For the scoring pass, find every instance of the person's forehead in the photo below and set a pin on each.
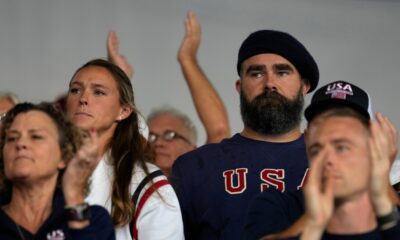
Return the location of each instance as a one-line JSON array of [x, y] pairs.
[[164, 122], [94, 75], [336, 127], [34, 120], [267, 59]]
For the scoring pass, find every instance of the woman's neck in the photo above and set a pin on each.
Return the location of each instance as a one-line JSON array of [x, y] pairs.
[[105, 138], [30, 206]]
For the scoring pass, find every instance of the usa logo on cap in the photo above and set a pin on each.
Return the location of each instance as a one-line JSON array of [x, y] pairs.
[[338, 90]]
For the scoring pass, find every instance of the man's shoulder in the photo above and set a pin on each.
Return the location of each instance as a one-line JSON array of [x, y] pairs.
[[208, 148]]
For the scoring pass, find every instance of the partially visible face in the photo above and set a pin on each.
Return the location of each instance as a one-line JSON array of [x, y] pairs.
[[5, 105], [31, 151], [344, 140], [271, 94], [168, 151], [93, 100]]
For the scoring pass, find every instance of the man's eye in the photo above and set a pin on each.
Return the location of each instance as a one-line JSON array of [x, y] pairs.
[[314, 152], [283, 73], [256, 74], [342, 148]]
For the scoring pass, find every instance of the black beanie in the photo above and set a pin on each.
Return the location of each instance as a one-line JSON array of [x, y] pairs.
[[285, 45]]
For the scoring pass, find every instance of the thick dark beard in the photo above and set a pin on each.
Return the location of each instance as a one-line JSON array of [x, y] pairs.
[[270, 113]]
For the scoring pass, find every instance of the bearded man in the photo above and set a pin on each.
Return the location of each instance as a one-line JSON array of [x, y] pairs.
[[215, 183]]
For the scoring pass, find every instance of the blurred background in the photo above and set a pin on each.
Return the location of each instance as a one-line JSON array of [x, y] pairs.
[[43, 42]]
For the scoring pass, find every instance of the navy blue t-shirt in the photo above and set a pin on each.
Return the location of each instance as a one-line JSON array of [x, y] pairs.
[[56, 225], [392, 233], [273, 211], [216, 183]]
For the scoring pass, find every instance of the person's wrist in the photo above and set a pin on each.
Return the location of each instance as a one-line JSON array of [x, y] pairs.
[[388, 220], [311, 231], [75, 198], [382, 205], [78, 212]]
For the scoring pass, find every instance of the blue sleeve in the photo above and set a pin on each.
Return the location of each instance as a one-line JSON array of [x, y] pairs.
[[391, 233], [179, 184], [273, 211], [100, 228]]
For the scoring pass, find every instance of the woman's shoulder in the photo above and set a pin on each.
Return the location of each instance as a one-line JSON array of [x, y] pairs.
[[139, 173], [153, 180], [157, 205]]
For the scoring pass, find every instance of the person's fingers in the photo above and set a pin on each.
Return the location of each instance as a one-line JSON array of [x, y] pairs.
[[372, 145], [190, 17], [379, 133], [382, 138], [112, 43], [384, 124], [195, 23], [316, 172], [187, 26], [95, 145], [390, 134], [329, 186], [388, 127]]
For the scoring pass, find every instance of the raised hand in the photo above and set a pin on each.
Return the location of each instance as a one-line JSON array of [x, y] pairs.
[[209, 105], [79, 169], [115, 57], [191, 41]]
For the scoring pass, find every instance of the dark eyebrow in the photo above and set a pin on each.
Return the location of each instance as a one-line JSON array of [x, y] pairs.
[[283, 66], [255, 67]]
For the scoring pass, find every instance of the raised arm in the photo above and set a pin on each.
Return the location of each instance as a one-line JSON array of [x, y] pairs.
[[115, 57], [209, 105]]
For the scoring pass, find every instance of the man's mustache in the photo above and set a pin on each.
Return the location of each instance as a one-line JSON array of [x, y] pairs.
[[268, 94]]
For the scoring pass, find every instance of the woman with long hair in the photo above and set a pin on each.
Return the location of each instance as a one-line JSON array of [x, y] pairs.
[[141, 202]]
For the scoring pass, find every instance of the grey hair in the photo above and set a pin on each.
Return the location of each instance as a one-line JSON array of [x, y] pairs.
[[173, 112], [11, 96]]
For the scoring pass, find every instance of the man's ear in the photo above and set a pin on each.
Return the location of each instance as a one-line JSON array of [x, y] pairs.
[[306, 86], [125, 112], [238, 85]]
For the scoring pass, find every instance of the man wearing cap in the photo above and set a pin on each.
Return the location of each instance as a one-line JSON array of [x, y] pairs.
[[348, 193], [215, 183]]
